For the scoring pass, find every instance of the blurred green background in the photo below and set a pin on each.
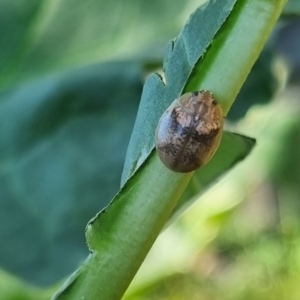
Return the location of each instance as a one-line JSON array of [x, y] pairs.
[[71, 76]]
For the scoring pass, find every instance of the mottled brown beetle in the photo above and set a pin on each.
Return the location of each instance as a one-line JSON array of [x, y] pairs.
[[190, 131]]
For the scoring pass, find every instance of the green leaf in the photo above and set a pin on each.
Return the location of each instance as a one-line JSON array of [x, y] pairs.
[[63, 146], [120, 236], [181, 57]]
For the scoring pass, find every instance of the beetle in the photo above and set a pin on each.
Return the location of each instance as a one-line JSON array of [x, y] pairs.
[[189, 132]]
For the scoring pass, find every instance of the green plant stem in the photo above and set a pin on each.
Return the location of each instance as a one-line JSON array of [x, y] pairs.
[[121, 238], [235, 49]]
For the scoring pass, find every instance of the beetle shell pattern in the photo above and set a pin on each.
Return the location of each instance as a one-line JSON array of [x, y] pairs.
[[190, 131]]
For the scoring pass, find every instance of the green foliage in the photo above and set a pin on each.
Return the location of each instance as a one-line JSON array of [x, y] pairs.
[[181, 58], [65, 127], [114, 232]]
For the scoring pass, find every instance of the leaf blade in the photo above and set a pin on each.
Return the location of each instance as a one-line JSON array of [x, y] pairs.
[[180, 59]]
